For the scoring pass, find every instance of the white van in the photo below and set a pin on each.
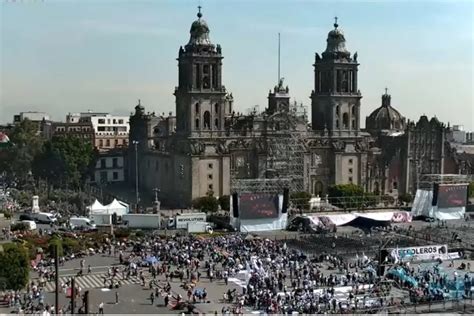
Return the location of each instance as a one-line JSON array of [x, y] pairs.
[[31, 224], [44, 218], [82, 223]]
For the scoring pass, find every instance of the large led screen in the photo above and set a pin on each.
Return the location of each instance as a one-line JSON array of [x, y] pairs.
[[258, 206]]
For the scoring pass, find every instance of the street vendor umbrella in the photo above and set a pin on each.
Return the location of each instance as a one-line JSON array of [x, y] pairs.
[[151, 260], [249, 237]]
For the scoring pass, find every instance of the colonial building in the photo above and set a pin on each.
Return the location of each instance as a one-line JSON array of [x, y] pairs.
[[209, 147], [110, 131]]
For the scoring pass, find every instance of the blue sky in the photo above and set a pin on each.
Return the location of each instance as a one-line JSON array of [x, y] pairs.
[[67, 56]]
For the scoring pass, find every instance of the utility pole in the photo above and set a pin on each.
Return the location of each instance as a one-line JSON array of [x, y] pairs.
[[73, 294], [56, 279], [279, 58], [135, 143]]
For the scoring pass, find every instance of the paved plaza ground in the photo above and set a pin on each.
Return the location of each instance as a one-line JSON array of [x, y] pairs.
[[135, 298]]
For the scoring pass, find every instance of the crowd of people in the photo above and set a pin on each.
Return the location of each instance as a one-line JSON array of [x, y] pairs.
[[259, 274]]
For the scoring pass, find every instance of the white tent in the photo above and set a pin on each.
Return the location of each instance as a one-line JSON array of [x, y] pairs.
[[116, 207], [95, 206]]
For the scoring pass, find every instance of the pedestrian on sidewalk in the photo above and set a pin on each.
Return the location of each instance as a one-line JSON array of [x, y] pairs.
[[152, 297], [116, 297], [101, 308]]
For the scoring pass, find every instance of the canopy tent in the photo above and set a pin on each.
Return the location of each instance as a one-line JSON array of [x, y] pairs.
[[117, 207], [95, 206]]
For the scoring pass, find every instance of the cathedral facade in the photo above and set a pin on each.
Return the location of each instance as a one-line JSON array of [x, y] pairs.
[[208, 147]]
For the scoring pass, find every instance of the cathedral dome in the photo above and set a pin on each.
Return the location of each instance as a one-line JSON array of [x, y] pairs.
[[385, 117], [336, 44], [199, 32]]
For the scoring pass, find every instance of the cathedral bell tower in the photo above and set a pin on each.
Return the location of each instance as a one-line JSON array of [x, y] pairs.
[[336, 98], [201, 100]]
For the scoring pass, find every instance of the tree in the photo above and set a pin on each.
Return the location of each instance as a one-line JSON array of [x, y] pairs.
[[300, 200], [350, 196], [405, 198], [14, 267], [52, 244], [206, 204], [65, 159], [471, 189], [15, 161], [224, 202]]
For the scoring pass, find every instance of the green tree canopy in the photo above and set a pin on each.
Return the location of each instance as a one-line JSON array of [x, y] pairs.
[[16, 160], [206, 204], [350, 196], [14, 267], [224, 202], [300, 200], [65, 159], [471, 189]]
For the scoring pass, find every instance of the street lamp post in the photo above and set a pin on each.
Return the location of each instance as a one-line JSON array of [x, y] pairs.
[[135, 143]]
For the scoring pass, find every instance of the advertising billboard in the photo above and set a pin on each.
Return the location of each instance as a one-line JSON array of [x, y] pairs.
[[452, 195], [257, 206], [420, 253]]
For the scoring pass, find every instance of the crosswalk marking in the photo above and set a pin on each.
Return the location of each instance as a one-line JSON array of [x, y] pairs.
[[90, 281]]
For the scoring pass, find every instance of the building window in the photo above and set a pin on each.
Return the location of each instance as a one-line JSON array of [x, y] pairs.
[[216, 108], [116, 142], [337, 123], [350, 179], [115, 162], [345, 120], [210, 187], [350, 170], [337, 110], [209, 166], [216, 123], [395, 185], [197, 123], [103, 176], [120, 121], [108, 121], [196, 107], [115, 175], [103, 163], [209, 176], [101, 121], [107, 143], [207, 120], [350, 161], [354, 124], [114, 121], [101, 143], [353, 110]]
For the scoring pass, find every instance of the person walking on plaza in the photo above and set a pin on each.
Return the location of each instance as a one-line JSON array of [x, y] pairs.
[[116, 297], [101, 308], [152, 297]]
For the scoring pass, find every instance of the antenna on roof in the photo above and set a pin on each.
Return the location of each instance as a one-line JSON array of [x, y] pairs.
[[278, 58]]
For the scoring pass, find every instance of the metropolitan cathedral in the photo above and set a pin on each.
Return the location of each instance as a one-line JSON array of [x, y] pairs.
[[209, 147]]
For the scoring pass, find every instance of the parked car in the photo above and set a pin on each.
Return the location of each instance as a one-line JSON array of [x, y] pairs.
[[26, 217], [44, 218]]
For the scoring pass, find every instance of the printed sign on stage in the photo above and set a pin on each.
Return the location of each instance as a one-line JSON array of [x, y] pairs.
[[422, 253], [258, 206]]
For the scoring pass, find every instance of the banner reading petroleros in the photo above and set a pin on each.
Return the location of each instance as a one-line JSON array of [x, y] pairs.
[[422, 253]]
